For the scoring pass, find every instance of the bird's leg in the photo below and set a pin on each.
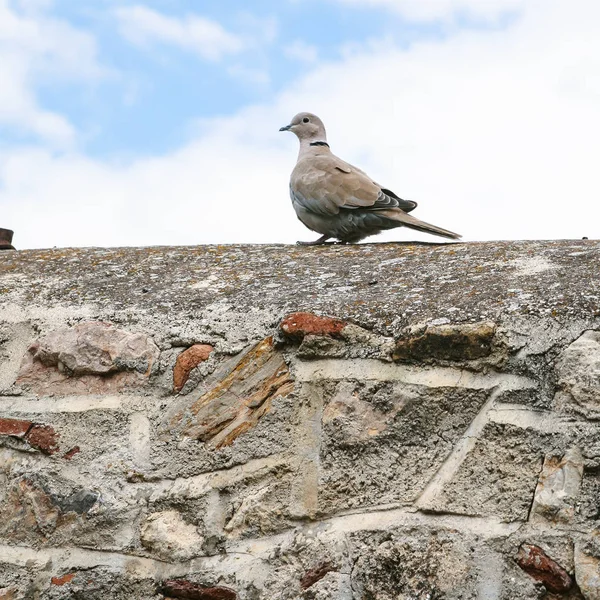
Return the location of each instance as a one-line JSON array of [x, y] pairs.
[[318, 242]]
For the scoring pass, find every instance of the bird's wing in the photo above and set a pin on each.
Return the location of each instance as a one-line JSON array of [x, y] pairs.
[[324, 184]]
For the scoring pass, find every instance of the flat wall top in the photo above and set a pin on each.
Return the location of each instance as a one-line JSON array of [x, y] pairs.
[[380, 285]]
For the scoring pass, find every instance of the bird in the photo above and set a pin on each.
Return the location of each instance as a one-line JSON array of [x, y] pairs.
[[338, 200]]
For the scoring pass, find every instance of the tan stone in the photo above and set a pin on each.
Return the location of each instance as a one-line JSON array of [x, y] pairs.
[[90, 358], [96, 348], [45, 381], [578, 371], [558, 488], [358, 419], [170, 537], [587, 572]]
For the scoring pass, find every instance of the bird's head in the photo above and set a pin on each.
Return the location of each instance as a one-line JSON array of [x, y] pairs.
[[307, 126]]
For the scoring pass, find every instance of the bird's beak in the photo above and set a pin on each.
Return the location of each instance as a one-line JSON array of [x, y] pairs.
[[286, 128]]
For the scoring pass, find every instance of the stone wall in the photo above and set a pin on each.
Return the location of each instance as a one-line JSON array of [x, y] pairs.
[[365, 422]]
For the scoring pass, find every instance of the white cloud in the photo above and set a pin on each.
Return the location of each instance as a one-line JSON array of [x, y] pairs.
[[443, 9], [204, 37], [301, 51], [33, 49], [495, 134]]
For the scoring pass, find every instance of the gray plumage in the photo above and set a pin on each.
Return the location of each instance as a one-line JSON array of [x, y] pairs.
[[339, 200]]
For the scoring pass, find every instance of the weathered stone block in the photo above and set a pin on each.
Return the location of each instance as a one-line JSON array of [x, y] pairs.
[[102, 358], [498, 476], [557, 491], [32, 514], [86, 500], [455, 342], [587, 566], [382, 443], [415, 564], [578, 370], [259, 506], [168, 535], [237, 400], [50, 513], [96, 348]]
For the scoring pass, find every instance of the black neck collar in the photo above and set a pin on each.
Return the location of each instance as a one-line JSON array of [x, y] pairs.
[[319, 144]]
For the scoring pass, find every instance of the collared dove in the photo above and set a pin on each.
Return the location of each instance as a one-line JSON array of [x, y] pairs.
[[338, 200]]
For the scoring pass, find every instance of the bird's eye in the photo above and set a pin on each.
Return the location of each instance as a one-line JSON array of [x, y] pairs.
[[305, 120]]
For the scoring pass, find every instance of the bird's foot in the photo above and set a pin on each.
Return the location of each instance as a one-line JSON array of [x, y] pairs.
[[318, 242]]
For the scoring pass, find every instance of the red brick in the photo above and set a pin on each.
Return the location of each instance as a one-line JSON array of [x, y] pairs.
[[62, 580], [180, 588], [535, 562], [189, 359], [71, 453], [44, 438], [299, 324], [14, 427], [315, 574]]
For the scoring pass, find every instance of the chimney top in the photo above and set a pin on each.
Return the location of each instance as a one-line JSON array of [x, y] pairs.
[[6, 236]]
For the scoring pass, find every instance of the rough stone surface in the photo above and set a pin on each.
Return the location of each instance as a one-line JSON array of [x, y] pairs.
[[230, 422], [587, 566], [558, 489], [418, 564], [170, 537], [450, 342], [240, 398], [95, 348], [101, 356], [407, 431], [579, 376], [498, 476]]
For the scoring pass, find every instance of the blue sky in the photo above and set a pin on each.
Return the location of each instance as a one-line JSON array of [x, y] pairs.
[[115, 114], [157, 92], [152, 93]]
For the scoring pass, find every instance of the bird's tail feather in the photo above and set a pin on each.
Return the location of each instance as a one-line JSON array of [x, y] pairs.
[[413, 223]]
